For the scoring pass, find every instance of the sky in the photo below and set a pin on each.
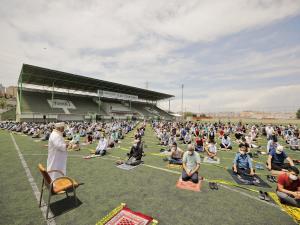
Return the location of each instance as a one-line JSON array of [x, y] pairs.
[[231, 55]]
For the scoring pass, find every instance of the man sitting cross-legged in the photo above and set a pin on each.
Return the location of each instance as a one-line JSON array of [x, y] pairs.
[[211, 150], [175, 155], [276, 159], [226, 143], [136, 153], [191, 165], [102, 146], [288, 187], [242, 162]]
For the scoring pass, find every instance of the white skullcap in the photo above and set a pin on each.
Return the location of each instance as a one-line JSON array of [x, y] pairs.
[[61, 124]]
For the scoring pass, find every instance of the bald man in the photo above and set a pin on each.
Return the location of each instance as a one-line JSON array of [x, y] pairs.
[[190, 164]]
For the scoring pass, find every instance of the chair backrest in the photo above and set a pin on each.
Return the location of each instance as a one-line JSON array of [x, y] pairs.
[[45, 175]]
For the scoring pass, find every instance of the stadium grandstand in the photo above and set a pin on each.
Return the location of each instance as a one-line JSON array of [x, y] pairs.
[[45, 94]]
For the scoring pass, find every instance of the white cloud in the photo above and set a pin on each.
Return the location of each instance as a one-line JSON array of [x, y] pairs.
[[133, 42]]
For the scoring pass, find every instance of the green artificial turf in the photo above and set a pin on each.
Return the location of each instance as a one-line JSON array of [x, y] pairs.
[[149, 190]]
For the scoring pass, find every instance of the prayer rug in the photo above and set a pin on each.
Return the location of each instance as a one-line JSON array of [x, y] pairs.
[[294, 212], [173, 166], [188, 185], [209, 160], [248, 180], [84, 144], [91, 156], [122, 215], [126, 167]]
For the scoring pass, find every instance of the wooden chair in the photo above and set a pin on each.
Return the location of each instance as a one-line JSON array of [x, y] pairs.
[[61, 185]]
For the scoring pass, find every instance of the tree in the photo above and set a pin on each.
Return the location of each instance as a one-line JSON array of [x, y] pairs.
[[3, 103], [298, 114]]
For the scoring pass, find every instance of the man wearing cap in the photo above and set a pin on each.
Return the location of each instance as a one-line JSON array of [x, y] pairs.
[[102, 146], [288, 187], [57, 152], [276, 159], [190, 164]]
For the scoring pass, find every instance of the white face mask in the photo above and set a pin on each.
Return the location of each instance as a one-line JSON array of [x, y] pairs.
[[278, 152], [293, 177], [242, 152]]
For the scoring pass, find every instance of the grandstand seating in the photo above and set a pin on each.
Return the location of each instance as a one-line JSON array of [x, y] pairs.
[[36, 102], [149, 110]]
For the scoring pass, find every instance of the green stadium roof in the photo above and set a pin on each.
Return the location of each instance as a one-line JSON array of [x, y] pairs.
[[46, 77]]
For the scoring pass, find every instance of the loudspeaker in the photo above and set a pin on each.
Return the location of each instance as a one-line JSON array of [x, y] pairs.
[[98, 117], [44, 117]]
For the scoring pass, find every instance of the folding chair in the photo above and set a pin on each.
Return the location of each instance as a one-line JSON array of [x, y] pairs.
[[58, 186]]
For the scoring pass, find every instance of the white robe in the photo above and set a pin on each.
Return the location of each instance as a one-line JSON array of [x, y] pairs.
[[57, 154]]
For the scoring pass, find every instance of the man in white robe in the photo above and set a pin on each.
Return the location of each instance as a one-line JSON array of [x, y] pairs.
[[57, 152]]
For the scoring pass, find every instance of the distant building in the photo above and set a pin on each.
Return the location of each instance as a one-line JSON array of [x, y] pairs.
[[11, 91], [253, 115], [2, 90]]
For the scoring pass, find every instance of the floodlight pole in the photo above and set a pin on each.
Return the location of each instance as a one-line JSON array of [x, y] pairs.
[[52, 98], [182, 101], [99, 102], [21, 90]]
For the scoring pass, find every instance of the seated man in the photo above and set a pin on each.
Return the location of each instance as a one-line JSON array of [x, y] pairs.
[[226, 143], [46, 135], [74, 143], [36, 133], [89, 139], [176, 154], [187, 138], [211, 149], [238, 135], [272, 143], [114, 136], [242, 162], [182, 134], [164, 139], [136, 153], [120, 134], [276, 159], [288, 187], [191, 165], [295, 143], [102, 146], [199, 144]]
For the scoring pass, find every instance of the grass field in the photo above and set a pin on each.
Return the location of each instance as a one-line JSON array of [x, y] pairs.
[[149, 188]]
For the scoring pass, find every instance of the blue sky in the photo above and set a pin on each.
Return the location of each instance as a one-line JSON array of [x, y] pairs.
[[230, 55]]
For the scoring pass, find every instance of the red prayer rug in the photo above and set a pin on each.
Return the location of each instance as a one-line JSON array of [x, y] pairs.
[[188, 185], [125, 216]]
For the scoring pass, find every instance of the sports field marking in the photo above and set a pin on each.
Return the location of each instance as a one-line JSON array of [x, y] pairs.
[[226, 187], [177, 172], [33, 184]]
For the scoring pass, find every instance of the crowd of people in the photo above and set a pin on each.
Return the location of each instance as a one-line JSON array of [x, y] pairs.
[[106, 133], [200, 139]]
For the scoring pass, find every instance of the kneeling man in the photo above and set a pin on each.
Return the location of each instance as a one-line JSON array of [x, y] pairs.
[[191, 165]]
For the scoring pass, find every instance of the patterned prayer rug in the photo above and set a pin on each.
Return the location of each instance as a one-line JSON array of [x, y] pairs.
[[125, 216]]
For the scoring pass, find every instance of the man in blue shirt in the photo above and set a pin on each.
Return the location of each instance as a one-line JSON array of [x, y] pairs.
[[276, 159], [242, 162]]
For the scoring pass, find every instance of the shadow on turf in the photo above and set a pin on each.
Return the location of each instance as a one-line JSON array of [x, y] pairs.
[[64, 205]]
